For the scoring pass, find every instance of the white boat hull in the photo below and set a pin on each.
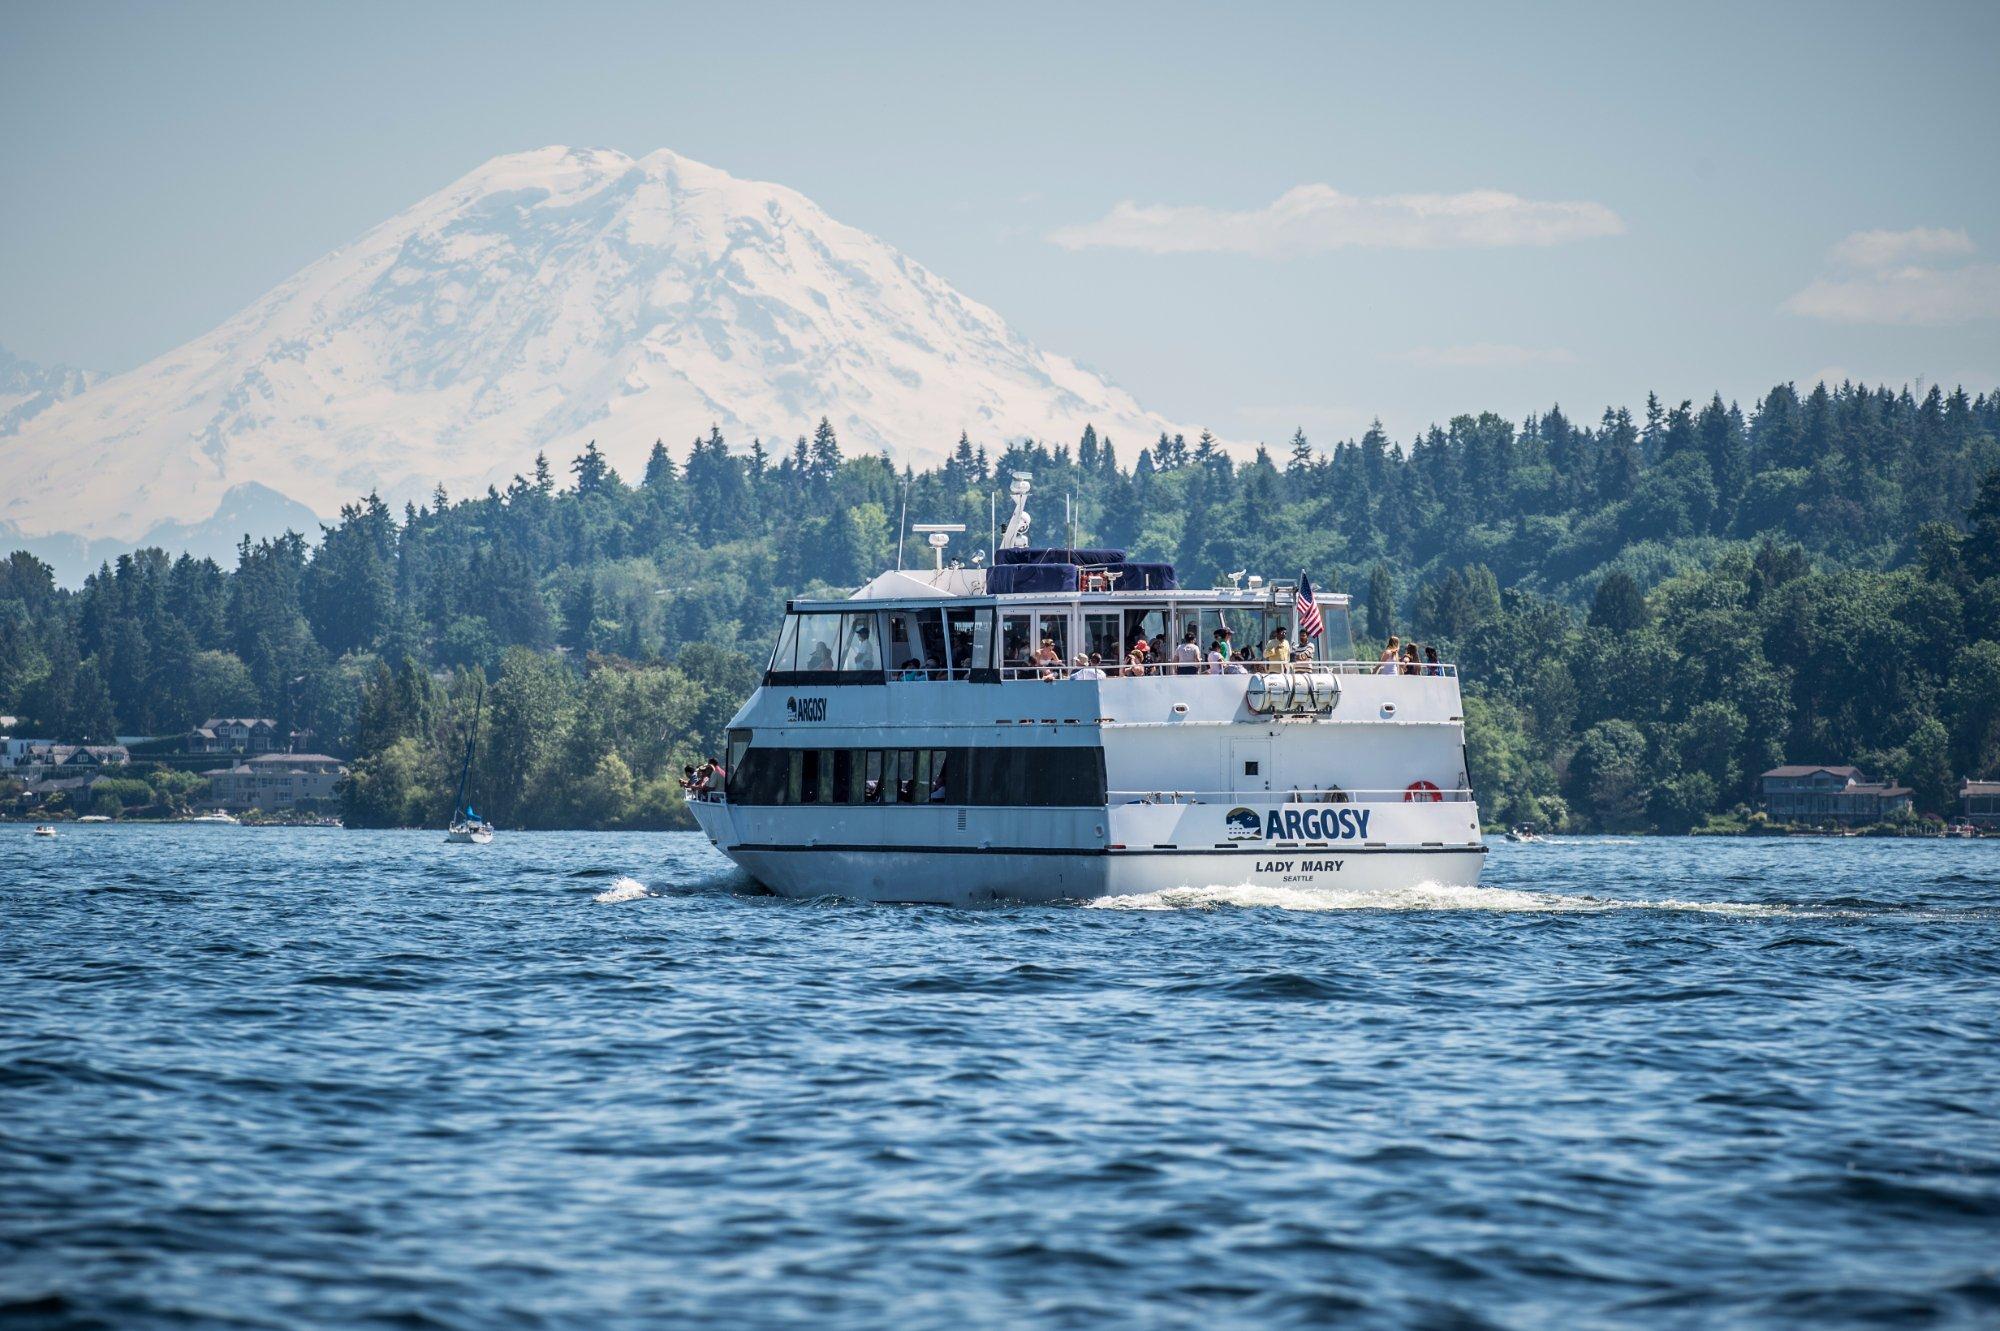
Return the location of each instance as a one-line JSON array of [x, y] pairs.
[[463, 837], [950, 879], [776, 847]]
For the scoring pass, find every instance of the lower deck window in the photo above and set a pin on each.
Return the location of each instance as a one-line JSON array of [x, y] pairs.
[[1017, 776]]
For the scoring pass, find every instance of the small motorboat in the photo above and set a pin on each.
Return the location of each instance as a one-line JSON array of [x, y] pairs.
[[1523, 834], [43, 829], [95, 818], [218, 816]]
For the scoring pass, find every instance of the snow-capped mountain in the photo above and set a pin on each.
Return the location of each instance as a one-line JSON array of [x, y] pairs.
[[544, 300], [27, 389]]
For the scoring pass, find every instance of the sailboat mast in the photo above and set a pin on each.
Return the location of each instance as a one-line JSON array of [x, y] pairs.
[[465, 772]]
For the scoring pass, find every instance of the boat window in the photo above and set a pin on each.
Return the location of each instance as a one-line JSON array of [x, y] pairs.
[[819, 643], [916, 644], [827, 647], [787, 650], [739, 740], [1013, 776], [1338, 644], [1015, 644], [860, 644], [971, 638], [1103, 633], [1052, 626]]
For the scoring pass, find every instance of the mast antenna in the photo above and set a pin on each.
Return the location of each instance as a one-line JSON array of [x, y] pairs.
[[1016, 536]]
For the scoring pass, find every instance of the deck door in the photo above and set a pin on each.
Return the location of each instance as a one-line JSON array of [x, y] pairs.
[[1250, 765]]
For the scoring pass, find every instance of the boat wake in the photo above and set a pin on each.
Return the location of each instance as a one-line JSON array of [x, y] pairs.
[[1420, 897], [622, 889]]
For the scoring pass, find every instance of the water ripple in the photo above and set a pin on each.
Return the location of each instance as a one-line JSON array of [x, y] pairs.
[[324, 1079]]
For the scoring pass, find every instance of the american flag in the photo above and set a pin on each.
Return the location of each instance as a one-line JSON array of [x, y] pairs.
[[1310, 623]]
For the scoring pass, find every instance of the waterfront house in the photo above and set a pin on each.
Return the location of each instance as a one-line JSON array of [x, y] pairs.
[[31, 758], [235, 734], [1811, 793], [1979, 802], [274, 781]]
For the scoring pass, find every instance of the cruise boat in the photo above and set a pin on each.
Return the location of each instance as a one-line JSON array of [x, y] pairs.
[[931, 738]]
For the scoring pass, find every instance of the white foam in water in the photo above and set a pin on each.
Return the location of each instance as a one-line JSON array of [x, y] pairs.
[[623, 889], [1423, 896]]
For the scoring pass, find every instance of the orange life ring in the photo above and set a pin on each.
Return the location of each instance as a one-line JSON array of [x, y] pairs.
[[1421, 792]]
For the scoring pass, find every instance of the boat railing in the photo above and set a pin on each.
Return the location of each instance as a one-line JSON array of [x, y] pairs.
[[1117, 670], [1418, 792]]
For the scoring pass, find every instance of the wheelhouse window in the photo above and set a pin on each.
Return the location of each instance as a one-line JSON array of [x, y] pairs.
[[828, 647]]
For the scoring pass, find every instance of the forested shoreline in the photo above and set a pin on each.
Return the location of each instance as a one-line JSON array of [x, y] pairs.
[[1649, 610]]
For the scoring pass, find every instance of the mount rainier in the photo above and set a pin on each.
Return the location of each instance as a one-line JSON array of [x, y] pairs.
[[546, 299]]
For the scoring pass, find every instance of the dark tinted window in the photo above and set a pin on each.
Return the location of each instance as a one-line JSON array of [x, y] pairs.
[[1019, 777]]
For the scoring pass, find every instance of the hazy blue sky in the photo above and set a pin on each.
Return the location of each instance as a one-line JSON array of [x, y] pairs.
[[1687, 182]]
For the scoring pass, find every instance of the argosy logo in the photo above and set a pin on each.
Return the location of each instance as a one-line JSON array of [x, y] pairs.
[[1299, 822], [805, 709]]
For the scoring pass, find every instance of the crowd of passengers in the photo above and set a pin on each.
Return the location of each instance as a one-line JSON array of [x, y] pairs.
[[1149, 656]]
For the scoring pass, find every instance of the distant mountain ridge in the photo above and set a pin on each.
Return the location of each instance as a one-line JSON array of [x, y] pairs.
[[543, 300]]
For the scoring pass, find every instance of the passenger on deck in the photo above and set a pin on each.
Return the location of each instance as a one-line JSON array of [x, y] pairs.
[[1049, 659], [913, 671], [1187, 656], [1218, 652], [1157, 655], [821, 658], [1089, 667], [1431, 666], [1410, 666], [1302, 654], [1389, 656], [1278, 651], [1135, 661]]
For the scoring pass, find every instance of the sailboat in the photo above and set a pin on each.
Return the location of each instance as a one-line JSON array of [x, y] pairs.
[[466, 824]]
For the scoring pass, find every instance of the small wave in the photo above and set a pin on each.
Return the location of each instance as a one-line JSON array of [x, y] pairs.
[[624, 889], [1421, 897]]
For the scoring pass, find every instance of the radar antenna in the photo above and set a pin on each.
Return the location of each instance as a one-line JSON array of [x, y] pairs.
[[1016, 535], [938, 535]]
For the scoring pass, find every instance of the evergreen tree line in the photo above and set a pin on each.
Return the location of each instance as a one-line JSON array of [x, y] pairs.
[[1650, 610]]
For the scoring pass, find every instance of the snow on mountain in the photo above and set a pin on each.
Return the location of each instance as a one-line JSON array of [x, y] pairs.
[[546, 299], [27, 389]]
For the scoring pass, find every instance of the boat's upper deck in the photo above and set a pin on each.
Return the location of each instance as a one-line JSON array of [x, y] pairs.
[[1053, 635]]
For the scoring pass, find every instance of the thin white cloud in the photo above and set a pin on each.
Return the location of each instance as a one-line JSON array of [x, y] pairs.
[[1884, 287], [1485, 356], [1312, 218], [1879, 249], [1904, 296]]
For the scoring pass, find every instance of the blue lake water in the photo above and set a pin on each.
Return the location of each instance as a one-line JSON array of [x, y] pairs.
[[324, 1078]]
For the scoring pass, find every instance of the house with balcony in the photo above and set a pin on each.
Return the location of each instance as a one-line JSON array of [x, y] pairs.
[[1811, 793]]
